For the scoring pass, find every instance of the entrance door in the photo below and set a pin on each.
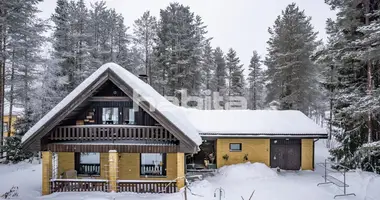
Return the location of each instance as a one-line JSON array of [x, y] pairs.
[[286, 154]]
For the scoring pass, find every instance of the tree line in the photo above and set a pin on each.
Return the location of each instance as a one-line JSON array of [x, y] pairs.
[[334, 80]]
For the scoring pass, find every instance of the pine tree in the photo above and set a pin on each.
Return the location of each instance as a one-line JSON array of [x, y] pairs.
[[351, 48], [220, 75], [23, 43], [235, 74], [256, 83], [292, 76], [63, 49], [145, 34], [208, 68], [80, 38], [179, 49]]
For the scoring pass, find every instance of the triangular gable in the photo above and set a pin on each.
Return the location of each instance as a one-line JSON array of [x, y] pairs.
[[168, 115]]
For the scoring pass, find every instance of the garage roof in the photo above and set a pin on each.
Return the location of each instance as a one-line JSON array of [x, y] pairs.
[[253, 122]]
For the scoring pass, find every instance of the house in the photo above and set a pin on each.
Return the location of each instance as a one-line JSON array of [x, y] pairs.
[[16, 112], [114, 132]]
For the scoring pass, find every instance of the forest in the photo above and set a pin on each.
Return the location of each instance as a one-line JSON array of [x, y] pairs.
[[336, 82]]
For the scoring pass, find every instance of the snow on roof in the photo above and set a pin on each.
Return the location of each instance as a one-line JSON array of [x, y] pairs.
[[15, 110], [156, 100], [253, 122]]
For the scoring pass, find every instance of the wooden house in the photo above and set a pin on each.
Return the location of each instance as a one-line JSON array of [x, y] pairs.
[[115, 133]]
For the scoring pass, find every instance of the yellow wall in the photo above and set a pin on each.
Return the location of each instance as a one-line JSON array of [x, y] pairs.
[[13, 120], [46, 171], [258, 150], [129, 167], [66, 162], [104, 166], [180, 170], [307, 154]]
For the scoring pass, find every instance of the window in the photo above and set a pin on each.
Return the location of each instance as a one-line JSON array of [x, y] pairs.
[[110, 115], [235, 146], [153, 164], [87, 163], [129, 116], [5, 127]]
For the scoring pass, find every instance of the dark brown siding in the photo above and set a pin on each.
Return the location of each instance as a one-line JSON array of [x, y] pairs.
[[119, 148]]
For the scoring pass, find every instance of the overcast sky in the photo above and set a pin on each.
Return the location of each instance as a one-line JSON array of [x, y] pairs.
[[240, 24]]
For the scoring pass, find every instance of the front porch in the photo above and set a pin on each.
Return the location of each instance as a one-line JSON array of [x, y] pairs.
[[113, 172], [102, 185]]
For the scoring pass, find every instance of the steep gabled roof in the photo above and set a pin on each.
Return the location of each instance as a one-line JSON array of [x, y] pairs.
[[153, 102], [274, 123]]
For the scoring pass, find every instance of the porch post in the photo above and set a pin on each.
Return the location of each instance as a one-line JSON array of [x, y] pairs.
[[180, 170], [46, 171], [113, 163]]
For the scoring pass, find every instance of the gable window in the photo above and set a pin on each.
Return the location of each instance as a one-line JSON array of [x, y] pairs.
[[235, 147], [153, 164], [129, 116], [87, 164], [110, 115]]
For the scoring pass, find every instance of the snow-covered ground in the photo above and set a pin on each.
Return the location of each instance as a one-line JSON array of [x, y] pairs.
[[236, 181]]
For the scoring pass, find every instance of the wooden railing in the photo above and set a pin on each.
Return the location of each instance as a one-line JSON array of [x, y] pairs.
[[147, 186], [78, 185], [89, 169], [152, 170], [111, 132]]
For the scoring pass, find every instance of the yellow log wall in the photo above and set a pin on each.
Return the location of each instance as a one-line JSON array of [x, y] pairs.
[[46, 171], [307, 147], [258, 150]]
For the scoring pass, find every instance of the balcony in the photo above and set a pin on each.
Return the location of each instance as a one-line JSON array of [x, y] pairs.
[[111, 133]]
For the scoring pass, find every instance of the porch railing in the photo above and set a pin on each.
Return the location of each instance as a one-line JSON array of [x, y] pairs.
[[152, 170], [89, 169], [111, 132], [147, 186], [78, 185]]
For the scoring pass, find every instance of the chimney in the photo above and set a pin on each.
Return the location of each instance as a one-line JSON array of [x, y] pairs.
[[144, 77]]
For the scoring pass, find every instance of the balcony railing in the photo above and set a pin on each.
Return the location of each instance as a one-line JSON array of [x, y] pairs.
[[89, 169], [111, 132]]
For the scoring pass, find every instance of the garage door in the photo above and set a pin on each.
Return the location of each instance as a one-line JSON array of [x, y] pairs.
[[285, 154]]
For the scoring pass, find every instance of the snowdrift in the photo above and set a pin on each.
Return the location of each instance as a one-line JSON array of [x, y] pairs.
[[245, 171]]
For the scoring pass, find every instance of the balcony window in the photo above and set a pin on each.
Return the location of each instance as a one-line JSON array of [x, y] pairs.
[[87, 164], [153, 164], [110, 115], [129, 116]]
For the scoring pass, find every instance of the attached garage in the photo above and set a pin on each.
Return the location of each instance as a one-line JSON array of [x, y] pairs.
[[283, 139]]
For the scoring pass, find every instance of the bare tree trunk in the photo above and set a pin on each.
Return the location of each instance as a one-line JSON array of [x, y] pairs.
[[369, 76], [2, 68], [11, 95], [147, 64]]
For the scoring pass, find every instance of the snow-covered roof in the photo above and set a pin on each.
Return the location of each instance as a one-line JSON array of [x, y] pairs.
[[256, 122], [146, 92], [15, 110]]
